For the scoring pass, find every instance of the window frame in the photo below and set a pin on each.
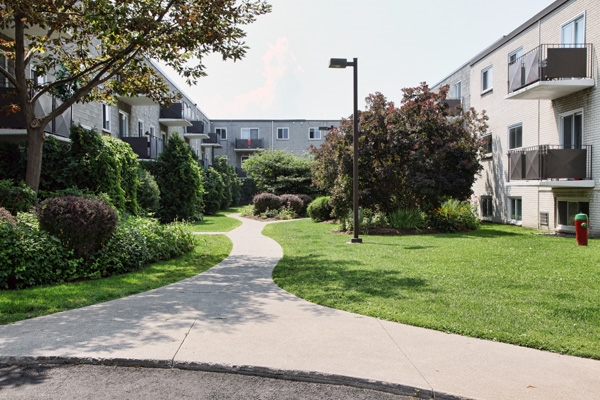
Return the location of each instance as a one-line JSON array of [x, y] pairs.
[[489, 79], [219, 131], [140, 128], [106, 125], [581, 16], [511, 127], [287, 133], [250, 133], [484, 137], [517, 53], [4, 63], [568, 227], [561, 128], [454, 94], [310, 132], [123, 126], [489, 215], [512, 204]]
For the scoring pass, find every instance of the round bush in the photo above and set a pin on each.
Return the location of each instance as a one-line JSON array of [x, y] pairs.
[[320, 209], [292, 201], [266, 201], [82, 224], [148, 194]]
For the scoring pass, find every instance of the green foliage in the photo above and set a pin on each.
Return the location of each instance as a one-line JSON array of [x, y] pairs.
[[279, 172], [12, 161], [56, 161], [16, 198], [292, 202], [410, 157], [266, 201], [453, 216], [407, 219], [148, 193], [7, 217], [306, 200], [249, 190], [83, 225], [233, 185], [320, 209], [180, 182], [214, 191], [104, 164]]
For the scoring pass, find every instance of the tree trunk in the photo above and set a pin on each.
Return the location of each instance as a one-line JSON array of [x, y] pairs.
[[35, 146]]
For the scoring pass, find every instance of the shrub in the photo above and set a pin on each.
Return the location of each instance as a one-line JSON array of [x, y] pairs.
[[306, 200], [266, 201], [233, 185], [293, 202], [214, 190], [248, 191], [16, 198], [454, 215], [82, 224], [320, 209], [407, 219], [148, 194], [7, 217]]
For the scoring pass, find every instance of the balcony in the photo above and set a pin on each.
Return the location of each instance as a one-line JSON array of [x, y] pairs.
[[195, 131], [551, 71], [213, 140], [249, 145], [138, 101], [173, 115], [147, 148], [551, 166]]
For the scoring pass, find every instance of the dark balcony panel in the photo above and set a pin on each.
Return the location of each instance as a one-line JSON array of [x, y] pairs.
[[515, 165], [175, 111], [249, 144], [213, 138], [197, 127], [566, 163], [566, 63], [139, 145], [533, 164], [452, 103]]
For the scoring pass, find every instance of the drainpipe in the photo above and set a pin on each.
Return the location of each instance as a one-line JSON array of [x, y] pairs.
[[272, 133]]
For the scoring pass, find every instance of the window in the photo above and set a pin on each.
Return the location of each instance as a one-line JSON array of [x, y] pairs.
[[314, 134], [573, 32], [3, 64], [457, 91], [105, 117], [249, 133], [151, 131], [515, 55], [515, 211], [571, 127], [221, 133], [123, 124], [283, 133], [244, 158], [487, 143], [487, 209], [487, 79], [567, 209], [140, 128], [515, 136]]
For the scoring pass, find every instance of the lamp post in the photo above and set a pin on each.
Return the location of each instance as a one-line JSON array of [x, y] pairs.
[[343, 63]]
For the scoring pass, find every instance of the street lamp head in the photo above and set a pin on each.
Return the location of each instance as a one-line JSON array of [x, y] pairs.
[[338, 63]]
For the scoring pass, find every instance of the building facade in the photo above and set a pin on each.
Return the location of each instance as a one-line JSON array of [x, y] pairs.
[[538, 86]]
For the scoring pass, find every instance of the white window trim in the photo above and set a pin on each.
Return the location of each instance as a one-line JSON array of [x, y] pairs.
[[508, 135], [582, 15], [489, 134], [317, 130], [561, 116], [510, 219], [515, 52], [484, 217], [249, 129], [454, 90], [221, 136], [567, 228], [106, 111], [140, 124], [489, 68], [126, 133], [288, 133], [151, 130]]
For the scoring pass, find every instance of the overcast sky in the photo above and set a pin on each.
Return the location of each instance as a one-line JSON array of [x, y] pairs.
[[398, 43]]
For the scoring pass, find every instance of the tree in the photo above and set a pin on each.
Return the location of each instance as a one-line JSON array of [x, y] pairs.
[[414, 156], [280, 172], [180, 182], [93, 50], [233, 185]]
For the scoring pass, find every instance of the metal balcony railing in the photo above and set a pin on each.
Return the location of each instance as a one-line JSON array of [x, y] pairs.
[[550, 162], [249, 144], [145, 147]]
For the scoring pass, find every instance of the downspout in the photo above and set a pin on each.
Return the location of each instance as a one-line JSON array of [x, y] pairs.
[[272, 133]]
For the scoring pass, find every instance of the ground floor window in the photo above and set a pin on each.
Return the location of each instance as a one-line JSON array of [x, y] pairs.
[[487, 210], [567, 209], [515, 205]]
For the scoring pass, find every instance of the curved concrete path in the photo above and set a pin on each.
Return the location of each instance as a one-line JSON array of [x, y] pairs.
[[234, 318]]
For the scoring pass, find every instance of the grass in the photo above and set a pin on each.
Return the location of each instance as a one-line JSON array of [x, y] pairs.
[[216, 223], [38, 301], [501, 282]]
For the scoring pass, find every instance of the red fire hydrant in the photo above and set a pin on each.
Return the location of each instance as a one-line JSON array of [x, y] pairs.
[[581, 229]]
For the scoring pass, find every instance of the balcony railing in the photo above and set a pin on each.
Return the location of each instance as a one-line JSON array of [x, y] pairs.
[[551, 71], [145, 147], [213, 140], [550, 162], [174, 115], [249, 144]]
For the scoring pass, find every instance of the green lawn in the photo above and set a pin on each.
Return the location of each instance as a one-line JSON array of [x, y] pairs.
[[216, 223], [33, 302], [501, 282]]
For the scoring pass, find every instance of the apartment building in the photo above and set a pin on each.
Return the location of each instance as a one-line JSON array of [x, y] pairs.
[[538, 86], [240, 139]]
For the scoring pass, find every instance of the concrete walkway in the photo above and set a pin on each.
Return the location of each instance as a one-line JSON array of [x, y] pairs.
[[234, 318]]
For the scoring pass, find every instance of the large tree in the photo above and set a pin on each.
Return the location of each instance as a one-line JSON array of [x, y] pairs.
[[413, 156], [93, 50]]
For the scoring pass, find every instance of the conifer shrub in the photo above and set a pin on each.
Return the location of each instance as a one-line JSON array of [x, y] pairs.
[[320, 209], [148, 194], [266, 201], [82, 224]]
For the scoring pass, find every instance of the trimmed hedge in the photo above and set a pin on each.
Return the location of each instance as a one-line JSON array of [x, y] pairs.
[[320, 209], [266, 201], [292, 201]]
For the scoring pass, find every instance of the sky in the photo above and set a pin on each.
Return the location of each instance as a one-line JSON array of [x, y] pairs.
[[398, 43]]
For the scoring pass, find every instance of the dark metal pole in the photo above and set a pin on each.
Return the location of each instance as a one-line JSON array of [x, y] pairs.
[[356, 239]]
